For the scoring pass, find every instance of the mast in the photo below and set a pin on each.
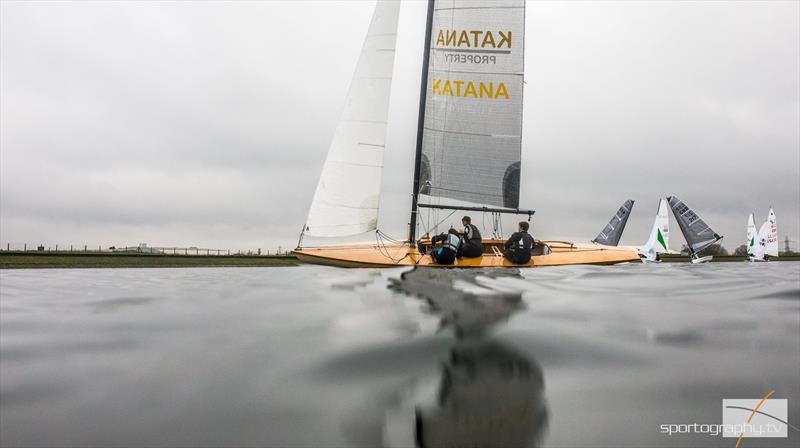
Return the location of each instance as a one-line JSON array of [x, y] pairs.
[[423, 91]]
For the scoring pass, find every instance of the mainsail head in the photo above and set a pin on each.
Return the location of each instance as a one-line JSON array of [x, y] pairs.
[[471, 146], [697, 233], [612, 232], [346, 200]]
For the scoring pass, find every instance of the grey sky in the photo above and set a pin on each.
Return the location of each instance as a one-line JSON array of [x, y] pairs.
[[207, 123]]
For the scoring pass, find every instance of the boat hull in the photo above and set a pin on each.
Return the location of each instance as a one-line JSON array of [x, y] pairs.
[[373, 255]]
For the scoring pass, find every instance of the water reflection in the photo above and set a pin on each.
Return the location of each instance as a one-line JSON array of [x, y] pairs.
[[488, 394]]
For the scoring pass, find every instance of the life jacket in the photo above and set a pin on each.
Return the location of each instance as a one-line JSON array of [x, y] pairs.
[[525, 243], [472, 234], [451, 242]]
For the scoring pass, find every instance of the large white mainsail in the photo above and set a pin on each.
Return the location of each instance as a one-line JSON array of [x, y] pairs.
[[658, 243], [347, 195], [471, 147]]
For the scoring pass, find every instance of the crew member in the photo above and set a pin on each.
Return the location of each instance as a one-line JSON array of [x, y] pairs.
[[446, 253], [471, 245], [518, 247]]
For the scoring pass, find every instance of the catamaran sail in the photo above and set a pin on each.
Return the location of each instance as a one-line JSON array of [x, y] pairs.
[[697, 233], [612, 232], [472, 135], [346, 200], [752, 235], [658, 243]]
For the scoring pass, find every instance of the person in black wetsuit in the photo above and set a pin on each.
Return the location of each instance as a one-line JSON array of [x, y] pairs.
[[446, 253], [518, 247], [471, 245]]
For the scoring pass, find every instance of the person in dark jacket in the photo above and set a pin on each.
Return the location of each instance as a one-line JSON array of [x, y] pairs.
[[471, 245], [518, 247], [446, 253]]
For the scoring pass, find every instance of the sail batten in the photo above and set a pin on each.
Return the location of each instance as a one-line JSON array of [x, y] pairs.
[[347, 196]]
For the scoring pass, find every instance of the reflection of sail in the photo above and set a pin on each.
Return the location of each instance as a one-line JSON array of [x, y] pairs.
[[465, 300], [489, 396]]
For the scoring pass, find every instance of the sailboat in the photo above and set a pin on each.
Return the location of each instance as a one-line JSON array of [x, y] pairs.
[[697, 233], [468, 146], [766, 241], [751, 238], [612, 232], [658, 243]]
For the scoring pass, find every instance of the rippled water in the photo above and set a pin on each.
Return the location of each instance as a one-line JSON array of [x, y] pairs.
[[315, 356]]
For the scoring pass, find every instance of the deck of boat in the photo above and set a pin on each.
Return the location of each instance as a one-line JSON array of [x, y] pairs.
[[548, 253]]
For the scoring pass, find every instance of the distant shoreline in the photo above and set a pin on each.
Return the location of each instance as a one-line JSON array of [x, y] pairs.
[[90, 260], [74, 260]]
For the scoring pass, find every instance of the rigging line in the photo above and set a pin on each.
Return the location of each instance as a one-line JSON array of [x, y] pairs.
[[390, 239], [383, 250], [445, 218]]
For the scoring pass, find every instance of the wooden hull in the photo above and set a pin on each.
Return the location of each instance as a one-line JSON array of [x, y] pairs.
[[372, 255]]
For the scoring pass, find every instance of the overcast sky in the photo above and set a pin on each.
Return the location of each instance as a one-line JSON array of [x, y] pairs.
[[206, 124]]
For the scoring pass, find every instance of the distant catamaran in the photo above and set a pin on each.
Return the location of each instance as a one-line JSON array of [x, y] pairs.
[[697, 233], [468, 148], [612, 232]]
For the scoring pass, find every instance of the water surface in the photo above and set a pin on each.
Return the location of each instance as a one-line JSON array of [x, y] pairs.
[[315, 356]]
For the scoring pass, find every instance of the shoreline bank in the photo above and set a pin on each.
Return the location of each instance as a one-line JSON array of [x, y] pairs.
[[74, 260]]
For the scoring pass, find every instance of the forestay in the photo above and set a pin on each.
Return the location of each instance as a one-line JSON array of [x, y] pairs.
[[473, 112], [612, 232], [697, 233], [347, 195]]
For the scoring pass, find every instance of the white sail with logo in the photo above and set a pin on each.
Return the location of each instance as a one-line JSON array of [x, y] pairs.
[[767, 239], [472, 133], [347, 195], [658, 243], [771, 246]]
